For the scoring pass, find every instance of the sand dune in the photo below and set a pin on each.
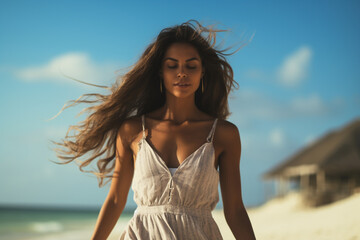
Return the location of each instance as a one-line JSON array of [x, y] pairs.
[[287, 218]]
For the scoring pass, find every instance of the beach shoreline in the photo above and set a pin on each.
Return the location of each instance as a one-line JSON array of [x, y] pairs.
[[278, 219], [288, 218]]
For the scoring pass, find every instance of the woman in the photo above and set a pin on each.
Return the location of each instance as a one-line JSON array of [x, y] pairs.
[[165, 126]]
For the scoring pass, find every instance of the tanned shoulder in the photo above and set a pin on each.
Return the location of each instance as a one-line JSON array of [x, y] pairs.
[[129, 130], [227, 132]]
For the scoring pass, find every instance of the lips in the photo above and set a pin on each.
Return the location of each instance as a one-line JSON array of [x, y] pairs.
[[182, 84]]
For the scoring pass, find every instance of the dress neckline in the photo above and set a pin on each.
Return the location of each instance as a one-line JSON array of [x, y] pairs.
[[186, 160], [161, 160]]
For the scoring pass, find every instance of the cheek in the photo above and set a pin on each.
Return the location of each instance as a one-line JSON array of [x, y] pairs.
[[169, 75]]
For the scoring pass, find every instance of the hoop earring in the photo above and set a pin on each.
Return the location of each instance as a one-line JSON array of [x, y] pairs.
[[161, 86], [202, 85]]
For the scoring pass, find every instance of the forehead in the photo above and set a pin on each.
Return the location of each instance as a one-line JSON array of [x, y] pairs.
[[181, 50]]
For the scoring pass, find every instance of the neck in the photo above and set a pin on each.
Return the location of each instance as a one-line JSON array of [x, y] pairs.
[[179, 110]]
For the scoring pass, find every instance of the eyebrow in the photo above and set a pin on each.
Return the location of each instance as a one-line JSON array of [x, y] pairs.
[[188, 60]]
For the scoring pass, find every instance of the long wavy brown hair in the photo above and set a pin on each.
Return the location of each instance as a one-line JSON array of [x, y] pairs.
[[138, 92]]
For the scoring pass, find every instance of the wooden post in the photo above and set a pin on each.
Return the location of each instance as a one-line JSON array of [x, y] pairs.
[[320, 181], [304, 182], [281, 187]]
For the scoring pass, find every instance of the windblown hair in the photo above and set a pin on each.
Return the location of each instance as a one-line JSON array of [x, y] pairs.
[[139, 93]]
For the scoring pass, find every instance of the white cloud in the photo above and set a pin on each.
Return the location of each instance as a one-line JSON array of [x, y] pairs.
[[295, 67], [277, 137], [290, 73], [308, 105], [74, 64], [252, 105]]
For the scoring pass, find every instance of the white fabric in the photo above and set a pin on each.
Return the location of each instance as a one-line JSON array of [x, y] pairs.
[[172, 171], [174, 207]]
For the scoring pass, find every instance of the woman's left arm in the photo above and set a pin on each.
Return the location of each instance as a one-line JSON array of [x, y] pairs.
[[230, 182]]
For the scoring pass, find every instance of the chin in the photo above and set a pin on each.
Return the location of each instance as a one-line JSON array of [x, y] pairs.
[[178, 94]]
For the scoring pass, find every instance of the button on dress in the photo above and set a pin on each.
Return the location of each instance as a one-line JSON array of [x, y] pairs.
[[174, 206]]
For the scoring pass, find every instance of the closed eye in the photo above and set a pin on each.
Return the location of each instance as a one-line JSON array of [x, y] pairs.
[[175, 66], [189, 67]]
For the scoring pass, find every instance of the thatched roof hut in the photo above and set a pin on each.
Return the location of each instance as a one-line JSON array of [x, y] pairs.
[[327, 165]]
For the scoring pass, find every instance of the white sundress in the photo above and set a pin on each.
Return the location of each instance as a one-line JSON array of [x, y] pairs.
[[174, 206]]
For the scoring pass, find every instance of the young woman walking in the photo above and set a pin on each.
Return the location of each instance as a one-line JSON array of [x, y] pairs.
[[165, 132]]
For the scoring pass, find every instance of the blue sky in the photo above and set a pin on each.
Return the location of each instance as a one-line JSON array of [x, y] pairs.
[[298, 78]]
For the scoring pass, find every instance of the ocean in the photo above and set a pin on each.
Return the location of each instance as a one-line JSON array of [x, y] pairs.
[[25, 223]]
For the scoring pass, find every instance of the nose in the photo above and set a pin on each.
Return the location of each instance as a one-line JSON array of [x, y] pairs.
[[181, 74]]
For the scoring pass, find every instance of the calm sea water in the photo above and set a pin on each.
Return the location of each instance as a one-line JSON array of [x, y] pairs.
[[51, 224]]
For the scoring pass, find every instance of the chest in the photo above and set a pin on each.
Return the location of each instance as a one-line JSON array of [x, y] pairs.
[[174, 151], [175, 146]]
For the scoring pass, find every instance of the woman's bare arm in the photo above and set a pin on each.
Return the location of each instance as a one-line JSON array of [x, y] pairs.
[[116, 199], [230, 182]]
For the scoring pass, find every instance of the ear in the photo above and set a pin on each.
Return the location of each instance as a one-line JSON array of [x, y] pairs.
[[161, 74], [202, 74]]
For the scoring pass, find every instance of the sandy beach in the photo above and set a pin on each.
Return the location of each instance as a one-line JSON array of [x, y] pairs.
[[287, 218], [278, 219]]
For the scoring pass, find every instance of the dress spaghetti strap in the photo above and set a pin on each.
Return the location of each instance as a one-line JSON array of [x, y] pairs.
[[143, 124], [211, 134]]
